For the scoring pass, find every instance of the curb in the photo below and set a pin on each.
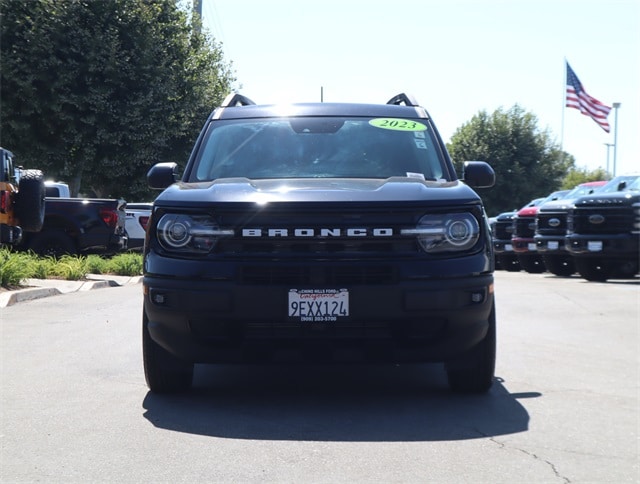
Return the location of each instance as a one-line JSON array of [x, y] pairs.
[[53, 287], [14, 297]]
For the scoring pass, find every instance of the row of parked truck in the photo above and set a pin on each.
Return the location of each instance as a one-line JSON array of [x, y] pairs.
[[592, 230], [42, 217]]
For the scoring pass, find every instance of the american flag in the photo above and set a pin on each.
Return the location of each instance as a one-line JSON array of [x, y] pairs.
[[578, 98]]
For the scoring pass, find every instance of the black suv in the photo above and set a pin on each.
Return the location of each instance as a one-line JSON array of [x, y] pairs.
[[319, 233]]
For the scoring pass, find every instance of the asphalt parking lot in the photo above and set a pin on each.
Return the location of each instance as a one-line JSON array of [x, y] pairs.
[[563, 407]]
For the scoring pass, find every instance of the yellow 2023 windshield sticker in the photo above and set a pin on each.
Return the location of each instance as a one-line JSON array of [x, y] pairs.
[[397, 124]]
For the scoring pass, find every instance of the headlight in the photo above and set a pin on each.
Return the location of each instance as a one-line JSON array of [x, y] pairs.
[[446, 232], [189, 233]]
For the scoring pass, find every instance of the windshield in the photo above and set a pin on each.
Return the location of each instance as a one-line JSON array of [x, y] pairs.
[[558, 195], [621, 182], [634, 185], [581, 190], [314, 147]]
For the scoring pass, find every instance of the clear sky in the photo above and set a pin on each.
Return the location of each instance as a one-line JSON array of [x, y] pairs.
[[457, 57]]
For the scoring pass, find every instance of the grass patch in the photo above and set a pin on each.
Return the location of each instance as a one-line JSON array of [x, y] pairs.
[[14, 268], [128, 264], [96, 264], [17, 266], [71, 268]]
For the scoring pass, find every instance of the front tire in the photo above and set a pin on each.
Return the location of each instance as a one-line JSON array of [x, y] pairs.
[[559, 265], [473, 372], [509, 262], [532, 264], [626, 269], [163, 372], [593, 270]]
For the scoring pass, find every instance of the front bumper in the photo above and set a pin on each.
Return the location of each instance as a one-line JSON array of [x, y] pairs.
[[206, 321], [547, 245], [502, 246], [118, 243], [524, 245], [616, 246]]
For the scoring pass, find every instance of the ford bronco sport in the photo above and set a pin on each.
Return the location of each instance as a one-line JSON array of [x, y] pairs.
[[319, 233]]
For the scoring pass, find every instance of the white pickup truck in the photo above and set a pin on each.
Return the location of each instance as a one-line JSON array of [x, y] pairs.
[[136, 223]]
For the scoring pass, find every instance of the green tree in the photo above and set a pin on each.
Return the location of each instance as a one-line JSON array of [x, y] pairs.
[[95, 92], [527, 163], [576, 176]]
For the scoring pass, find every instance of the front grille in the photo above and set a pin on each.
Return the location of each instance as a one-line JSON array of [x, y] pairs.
[[550, 223], [318, 247], [524, 227], [320, 230], [502, 230], [314, 275], [601, 220]]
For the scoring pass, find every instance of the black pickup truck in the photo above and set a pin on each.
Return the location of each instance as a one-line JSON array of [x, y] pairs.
[[603, 232], [79, 226], [319, 233]]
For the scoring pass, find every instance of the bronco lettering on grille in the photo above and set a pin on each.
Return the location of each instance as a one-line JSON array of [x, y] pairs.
[[321, 232]]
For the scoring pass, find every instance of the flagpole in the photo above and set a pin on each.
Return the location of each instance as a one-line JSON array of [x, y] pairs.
[[615, 137], [564, 99]]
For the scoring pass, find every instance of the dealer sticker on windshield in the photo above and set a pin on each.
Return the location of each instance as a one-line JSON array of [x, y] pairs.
[[398, 124], [318, 305]]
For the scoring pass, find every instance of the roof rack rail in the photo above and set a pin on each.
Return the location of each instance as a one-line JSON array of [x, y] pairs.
[[402, 98], [234, 99]]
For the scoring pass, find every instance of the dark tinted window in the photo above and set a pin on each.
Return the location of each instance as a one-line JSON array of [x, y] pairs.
[[318, 148]]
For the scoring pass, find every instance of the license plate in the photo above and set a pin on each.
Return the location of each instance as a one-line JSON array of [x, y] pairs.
[[318, 305], [532, 247], [594, 246], [508, 247], [553, 245]]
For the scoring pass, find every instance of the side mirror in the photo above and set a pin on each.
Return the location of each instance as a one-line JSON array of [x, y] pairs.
[[162, 175], [478, 174]]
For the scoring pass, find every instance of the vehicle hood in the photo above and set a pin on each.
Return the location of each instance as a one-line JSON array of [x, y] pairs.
[[609, 200], [505, 216], [396, 189], [557, 205], [527, 212]]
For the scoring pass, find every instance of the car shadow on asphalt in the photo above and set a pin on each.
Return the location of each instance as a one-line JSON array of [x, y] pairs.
[[367, 403]]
